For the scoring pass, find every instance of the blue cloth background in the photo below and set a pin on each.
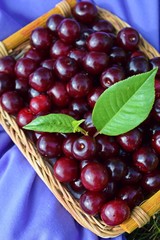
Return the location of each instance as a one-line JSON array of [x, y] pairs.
[[28, 210]]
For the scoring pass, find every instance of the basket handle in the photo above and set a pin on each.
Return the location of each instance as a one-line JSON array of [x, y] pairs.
[[17, 38]]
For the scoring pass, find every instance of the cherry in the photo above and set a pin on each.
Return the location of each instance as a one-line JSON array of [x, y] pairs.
[[79, 85], [110, 190], [79, 106], [99, 42], [91, 202], [77, 186], [132, 176], [94, 176], [156, 141], [77, 55], [11, 102], [24, 117], [67, 145], [35, 54], [133, 196], [21, 85], [40, 104], [81, 41], [88, 124], [157, 88], [138, 53], [41, 79], [155, 62], [49, 145], [84, 148], [116, 168], [7, 64], [53, 22], [156, 110], [145, 159], [68, 30], [137, 65], [111, 75], [24, 67], [59, 49], [115, 212], [65, 68], [94, 95], [128, 38], [49, 64], [95, 62], [151, 182], [117, 55], [66, 169], [131, 140], [102, 25], [107, 146], [7, 83], [41, 38], [84, 12], [32, 93], [59, 95]]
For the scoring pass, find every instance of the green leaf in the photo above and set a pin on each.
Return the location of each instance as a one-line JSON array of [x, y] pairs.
[[60, 123], [76, 124], [125, 105]]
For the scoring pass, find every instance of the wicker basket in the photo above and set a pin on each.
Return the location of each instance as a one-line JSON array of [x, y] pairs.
[[16, 45]]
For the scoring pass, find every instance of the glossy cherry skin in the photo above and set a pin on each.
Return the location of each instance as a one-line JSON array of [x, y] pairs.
[[49, 64], [77, 55], [156, 141], [35, 54], [77, 186], [95, 62], [145, 159], [66, 169], [132, 195], [84, 12], [79, 106], [65, 68], [53, 21], [12, 102], [88, 124], [7, 65], [40, 104], [115, 212], [81, 41], [79, 85], [128, 38], [155, 62], [91, 202], [24, 117], [49, 145], [110, 190], [156, 110], [132, 176], [59, 49], [117, 55], [67, 145], [59, 95], [41, 79], [7, 83], [99, 42], [102, 25], [32, 93], [131, 140], [111, 75], [24, 67], [138, 53], [68, 30], [94, 95], [137, 65], [94, 176], [84, 148], [151, 182], [41, 38], [107, 146], [116, 168]]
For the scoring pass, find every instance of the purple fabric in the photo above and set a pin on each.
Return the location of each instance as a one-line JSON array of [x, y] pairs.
[[28, 210]]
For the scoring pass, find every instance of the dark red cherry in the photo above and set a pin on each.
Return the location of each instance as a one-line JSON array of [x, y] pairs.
[[68, 30], [95, 62], [67, 145], [84, 148], [151, 182], [155, 62], [133, 196], [7, 64], [138, 53], [81, 41], [32, 93], [35, 54], [131, 140], [66, 169], [137, 65], [79, 85], [99, 42], [59, 49], [85, 12], [11, 102], [94, 95], [110, 190], [103, 26], [77, 186], [24, 67], [53, 22], [145, 159], [128, 38], [94, 176], [156, 110], [65, 68], [49, 145], [88, 124], [115, 212], [157, 88], [7, 83], [156, 141], [41, 38], [117, 55], [48, 63], [24, 117], [77, 55], [79, 106], [21, 85], [91, 202], [40, 104], [132, 176]]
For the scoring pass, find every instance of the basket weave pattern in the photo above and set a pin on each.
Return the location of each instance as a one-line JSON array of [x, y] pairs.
[[42, 167]]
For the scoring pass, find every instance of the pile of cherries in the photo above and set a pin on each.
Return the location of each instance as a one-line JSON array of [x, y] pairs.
[[70, 63]]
